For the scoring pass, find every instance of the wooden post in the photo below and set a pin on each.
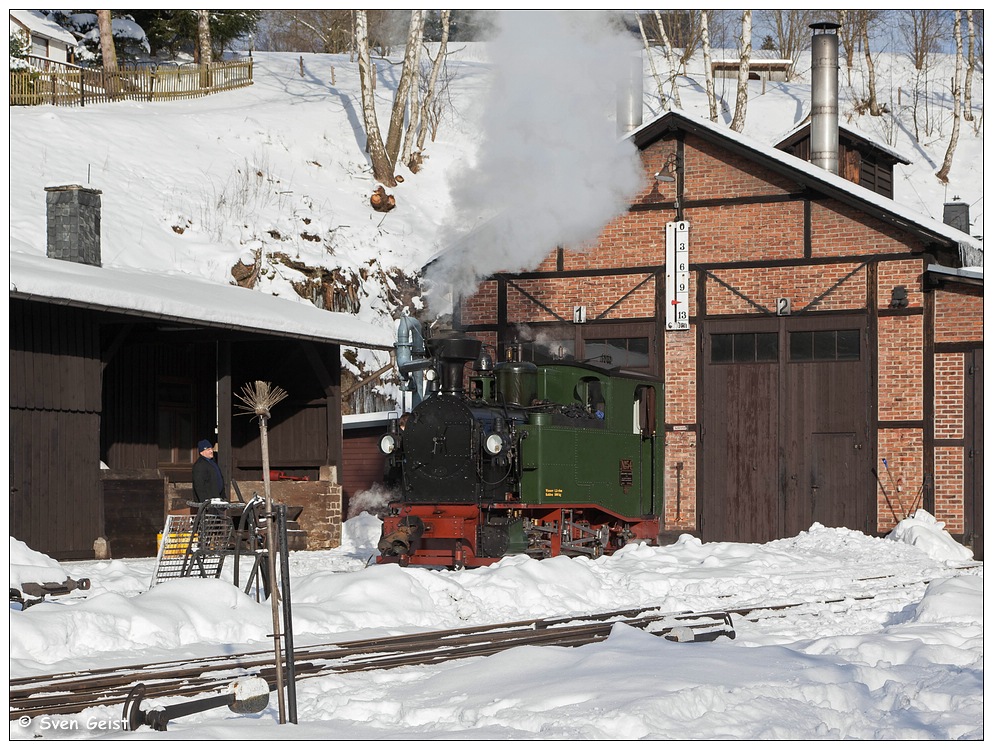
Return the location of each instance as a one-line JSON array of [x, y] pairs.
[[259, 398], [272, 544]]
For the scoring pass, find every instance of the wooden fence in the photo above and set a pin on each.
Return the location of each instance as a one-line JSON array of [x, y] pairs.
[[65, 85]]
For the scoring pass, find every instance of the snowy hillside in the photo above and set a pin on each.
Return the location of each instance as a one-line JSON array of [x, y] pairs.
[[270, 184]]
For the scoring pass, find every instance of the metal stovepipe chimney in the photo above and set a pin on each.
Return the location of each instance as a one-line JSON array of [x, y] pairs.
[[824, 96]]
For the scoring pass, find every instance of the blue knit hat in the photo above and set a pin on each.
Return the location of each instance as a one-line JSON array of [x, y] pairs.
[[204, 445]]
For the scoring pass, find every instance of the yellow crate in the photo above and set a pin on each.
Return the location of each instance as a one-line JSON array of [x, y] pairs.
[[175, 546]]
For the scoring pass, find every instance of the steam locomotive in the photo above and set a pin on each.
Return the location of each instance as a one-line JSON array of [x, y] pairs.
[[543, 460]]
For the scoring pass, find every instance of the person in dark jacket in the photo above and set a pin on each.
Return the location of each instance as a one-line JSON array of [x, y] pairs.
[[207, 480]]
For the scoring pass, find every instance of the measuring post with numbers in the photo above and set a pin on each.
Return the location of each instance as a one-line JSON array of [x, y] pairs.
[[677, 276]]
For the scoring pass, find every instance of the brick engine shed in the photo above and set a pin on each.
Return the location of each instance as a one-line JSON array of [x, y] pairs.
[[822, 362]]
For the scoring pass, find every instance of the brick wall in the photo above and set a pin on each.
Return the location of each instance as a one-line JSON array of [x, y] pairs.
[[321, 503], [900, 368], [949, 487], [949, 396], [614, 297], [737, 291], [899, 481], [958, 314]]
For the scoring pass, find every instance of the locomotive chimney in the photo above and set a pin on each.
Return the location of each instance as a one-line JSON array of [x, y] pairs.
[[824, 96], [452, 354]]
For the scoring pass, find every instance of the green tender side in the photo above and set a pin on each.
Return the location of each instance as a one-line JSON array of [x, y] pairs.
[[606, 462]]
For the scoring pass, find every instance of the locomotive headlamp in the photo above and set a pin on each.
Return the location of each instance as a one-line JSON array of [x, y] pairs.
[[431, 374], [387, 444], [493, 444]]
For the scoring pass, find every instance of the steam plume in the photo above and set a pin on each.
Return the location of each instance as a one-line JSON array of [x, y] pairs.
[[550, 169]]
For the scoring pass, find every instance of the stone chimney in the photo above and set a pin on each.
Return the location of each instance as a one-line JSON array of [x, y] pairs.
[[74, 223], [824, 96], [956, 215]]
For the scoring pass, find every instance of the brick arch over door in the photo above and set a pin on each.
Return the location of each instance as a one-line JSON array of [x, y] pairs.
[[787, 435]]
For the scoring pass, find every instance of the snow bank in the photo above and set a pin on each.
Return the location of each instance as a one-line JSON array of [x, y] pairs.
[[924, 531], [29, 566]]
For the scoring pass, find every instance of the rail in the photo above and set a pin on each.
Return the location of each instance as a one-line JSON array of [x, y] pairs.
[[66, 85], [72, 692]]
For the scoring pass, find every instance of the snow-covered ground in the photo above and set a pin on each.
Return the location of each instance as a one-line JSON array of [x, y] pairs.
[[905, 664]]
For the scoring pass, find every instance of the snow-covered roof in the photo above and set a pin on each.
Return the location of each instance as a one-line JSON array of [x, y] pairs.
[[183, 298], [889, 210], [40, 24], [760, 62], [971, 275], [371, 419], [853, 132]]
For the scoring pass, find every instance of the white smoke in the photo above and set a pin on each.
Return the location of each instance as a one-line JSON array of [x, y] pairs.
[[551, 169], [374, 501]]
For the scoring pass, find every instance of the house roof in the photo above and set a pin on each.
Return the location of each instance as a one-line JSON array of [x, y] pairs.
[[38, 23], [968, 247], [937, 274], [859, 139], [180, 298]]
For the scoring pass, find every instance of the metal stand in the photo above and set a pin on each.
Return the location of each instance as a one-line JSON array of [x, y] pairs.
[[195, 547]]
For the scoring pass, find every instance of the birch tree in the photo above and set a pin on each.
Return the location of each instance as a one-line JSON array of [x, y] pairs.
[[970, 67], [707, 67], [408, 76], [866, 17], [670, 60], [651, 63], [946, 166], [741, 99], [382, 167], [428, 105]]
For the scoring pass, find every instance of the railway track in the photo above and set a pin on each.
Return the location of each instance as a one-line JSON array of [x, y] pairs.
[[72, 692]]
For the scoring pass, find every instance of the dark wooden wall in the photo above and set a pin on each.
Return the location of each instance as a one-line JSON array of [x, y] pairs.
[[55, 404], [305, 428], [854, 165], [132, 379]]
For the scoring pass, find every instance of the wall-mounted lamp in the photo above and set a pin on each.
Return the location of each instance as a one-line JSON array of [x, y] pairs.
[[898, 297], [668, 171]]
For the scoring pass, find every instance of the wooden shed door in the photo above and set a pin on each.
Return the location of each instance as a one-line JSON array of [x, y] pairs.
[[785, 438]]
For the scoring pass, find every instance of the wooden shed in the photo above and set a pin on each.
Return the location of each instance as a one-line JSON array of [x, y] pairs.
[[816, 370], [116, 374]]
